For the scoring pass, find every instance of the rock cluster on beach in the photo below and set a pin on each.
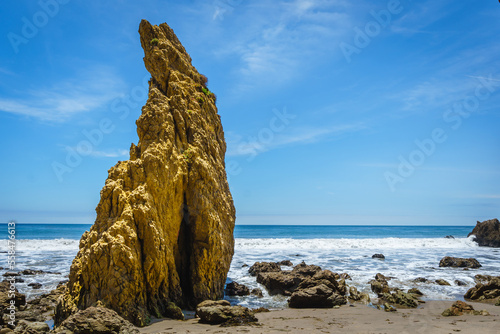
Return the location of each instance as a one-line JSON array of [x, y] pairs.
[[487, 233], [165, 220], [307, 285]]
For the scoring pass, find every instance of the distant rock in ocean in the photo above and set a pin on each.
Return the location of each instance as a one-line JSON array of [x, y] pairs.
[[165, 220], [487, 233]]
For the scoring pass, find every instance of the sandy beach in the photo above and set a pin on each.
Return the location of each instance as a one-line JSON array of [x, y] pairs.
[[350, 319]]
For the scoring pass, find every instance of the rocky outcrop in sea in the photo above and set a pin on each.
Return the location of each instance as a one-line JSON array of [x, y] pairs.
[[487, 233], [165, 220]]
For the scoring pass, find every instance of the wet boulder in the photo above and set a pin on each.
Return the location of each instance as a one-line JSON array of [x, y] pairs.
[[457, 262], [486, 290], [236, 289], [487, 233], [263, 267]]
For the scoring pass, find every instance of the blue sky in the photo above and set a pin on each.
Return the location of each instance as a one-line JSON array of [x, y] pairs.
[[335, 112]]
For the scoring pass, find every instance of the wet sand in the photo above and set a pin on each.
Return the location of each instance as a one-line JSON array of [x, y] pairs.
[[347, 319]]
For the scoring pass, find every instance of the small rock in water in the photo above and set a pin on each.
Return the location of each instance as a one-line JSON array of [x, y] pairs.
[[442, 282], [415, 291], [257, 292], [236, 289], [287, 263], [378, 256], [35, 285], [450, 237], [457, 262], [460, 283], [421, 280], [244, 265]]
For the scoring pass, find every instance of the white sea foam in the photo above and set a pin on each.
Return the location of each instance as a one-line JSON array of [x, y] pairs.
[[38, 245], [333, 244], [406, 259]]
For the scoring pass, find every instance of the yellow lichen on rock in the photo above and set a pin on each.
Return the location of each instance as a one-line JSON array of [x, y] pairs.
[[165, 221]]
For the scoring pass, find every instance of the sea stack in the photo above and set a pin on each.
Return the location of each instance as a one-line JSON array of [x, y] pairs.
[[165, 220], [487, 233]]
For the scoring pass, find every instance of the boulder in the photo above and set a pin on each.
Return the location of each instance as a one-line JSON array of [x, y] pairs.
[[487, 233], [415, 292], [304, 269], [378, 256], [221, 311], [442, 282], [401, 298], [457, 262], [263, 267], [486, 290], [287, 263], [257, 292], [96, 320], [279, 283], [165, 220], [460, 308], [421, 280], [302, 277], [379, 285], [319, 296], [356, 296], [27, 327], [5, 298], [236, 289]]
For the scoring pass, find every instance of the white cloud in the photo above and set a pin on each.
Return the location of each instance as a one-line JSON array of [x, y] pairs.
[[110, 154], [254, 145], [92, 89], [280, 38]]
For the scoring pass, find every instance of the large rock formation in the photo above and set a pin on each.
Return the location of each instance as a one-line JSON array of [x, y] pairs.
[[164, 227], [487, 233]]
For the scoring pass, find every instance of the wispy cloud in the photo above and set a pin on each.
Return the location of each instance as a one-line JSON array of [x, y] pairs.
[[110, 154], [90, 90], [274, 47], [240, 146]]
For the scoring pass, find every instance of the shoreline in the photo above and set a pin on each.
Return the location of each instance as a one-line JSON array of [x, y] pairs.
[[352, 318]]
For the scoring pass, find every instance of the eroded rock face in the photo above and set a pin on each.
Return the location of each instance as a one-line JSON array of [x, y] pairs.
[[485, 290], [487, 233], [164, 227]]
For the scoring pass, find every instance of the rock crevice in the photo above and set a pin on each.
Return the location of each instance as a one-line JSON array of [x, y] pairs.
[[165, 220]]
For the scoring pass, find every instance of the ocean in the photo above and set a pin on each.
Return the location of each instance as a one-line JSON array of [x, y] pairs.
[[410, 252]]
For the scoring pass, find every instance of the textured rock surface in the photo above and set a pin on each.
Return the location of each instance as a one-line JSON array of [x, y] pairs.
[[318, 296], [97, 320], [458, 262], [164, 227], [221, 311], [487, 233], [237, 289], [460, 308], [485, 290]]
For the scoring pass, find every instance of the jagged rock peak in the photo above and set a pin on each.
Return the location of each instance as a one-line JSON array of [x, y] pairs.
[[164, 227]]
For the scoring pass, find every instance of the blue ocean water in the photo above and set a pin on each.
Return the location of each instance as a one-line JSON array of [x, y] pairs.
[[75, 231], [410, 252]]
